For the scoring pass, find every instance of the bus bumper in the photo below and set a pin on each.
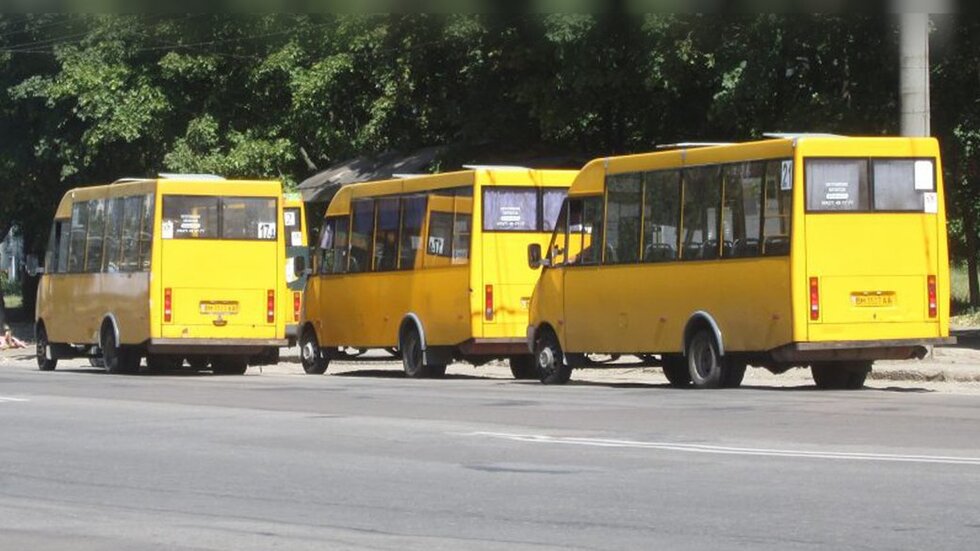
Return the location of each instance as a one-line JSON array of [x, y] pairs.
[[213, 346], [899, 349]]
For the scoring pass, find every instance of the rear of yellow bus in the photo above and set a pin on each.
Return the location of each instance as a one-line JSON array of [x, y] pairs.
[[872, 281], [517, 208], [218, 274], [295, 235]]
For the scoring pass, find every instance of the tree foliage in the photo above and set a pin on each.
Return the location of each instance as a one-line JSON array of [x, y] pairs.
[[85, 99]]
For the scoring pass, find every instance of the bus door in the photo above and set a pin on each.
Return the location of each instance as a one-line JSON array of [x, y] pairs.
[[220, 267], [583, 276], [872, 248]]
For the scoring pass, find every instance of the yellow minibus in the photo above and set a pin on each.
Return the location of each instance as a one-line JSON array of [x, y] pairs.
[[173, 269], [819, 251], [431, 265]]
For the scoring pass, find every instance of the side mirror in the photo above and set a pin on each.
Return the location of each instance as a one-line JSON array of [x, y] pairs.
[[299, 266], [534, 256], [32, 266]]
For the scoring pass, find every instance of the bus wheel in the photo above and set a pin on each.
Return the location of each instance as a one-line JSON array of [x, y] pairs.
[[550, 361], [118, 359], [705, 365], [314, 361], [676, 370], [229, 365], [42, 344], [412, 355], [840, 375], [523, 367]]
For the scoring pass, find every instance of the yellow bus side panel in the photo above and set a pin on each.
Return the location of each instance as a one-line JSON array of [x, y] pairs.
[[74, 305], [366, 310], [645, 308], [504, 265]]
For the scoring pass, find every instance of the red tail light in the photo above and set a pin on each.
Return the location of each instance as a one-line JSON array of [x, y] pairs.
[[814, 299], [270, 306], [168, 305], [489, 303], [933, 302], [297, 302]]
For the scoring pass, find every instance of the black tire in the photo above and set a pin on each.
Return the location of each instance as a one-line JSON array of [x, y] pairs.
[[229, 365], [704, 363], [198, 363], [41, 350], [523, 368], [413, 357], [314, 361], [550, 360], [840, 375], [676, 370], [117, 359]]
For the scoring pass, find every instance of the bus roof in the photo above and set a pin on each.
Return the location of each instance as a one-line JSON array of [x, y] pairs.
[[484, 176]]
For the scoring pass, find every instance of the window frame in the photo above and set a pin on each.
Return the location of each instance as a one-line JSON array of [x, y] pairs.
[[220, 216], [871, 184], [538, 208]]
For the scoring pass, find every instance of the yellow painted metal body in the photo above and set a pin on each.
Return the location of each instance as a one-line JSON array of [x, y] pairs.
[[296, 235], [200, 274], [762, 303], [446, 294]]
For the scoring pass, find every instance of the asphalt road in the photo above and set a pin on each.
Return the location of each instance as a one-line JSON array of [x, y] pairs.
[[366, 459]]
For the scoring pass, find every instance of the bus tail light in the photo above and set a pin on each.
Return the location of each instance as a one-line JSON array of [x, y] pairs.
[[814, 299], [488, 314], [933, 303], [168, 305], [270, 306], [297, 301]]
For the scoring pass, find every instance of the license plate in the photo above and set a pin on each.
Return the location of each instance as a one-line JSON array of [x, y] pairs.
[[219, 308], [873, 300]]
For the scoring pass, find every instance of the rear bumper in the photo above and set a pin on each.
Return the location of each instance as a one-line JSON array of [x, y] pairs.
[[213, 346], [895, 349], [494, 347]]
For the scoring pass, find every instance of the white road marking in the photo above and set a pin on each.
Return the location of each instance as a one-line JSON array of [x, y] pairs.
[[727, 450], [9, 399]]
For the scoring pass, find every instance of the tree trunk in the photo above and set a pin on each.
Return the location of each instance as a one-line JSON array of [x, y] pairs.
[[3, 307]]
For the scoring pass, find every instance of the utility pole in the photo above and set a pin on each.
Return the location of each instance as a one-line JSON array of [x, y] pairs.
[[915, 73]]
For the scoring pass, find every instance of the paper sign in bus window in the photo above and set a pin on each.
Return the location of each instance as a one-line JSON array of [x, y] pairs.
[[167, 229], [267, 230], [437, 246], [931, 202], [924, 176], [289, 218], [786, 176]]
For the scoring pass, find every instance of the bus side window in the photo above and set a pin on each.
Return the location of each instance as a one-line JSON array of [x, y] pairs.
[[95, 235], [113, 227], [413, 216], [661, 215], [333, 246], [361, 237], [741, 223], [55, 258], [777, 213], [591, 230], [79, 229], [64, 240], [624, 199], [702, 199], [386, 235], [462, 227], [146, 233], [132, 210], [558, 247]]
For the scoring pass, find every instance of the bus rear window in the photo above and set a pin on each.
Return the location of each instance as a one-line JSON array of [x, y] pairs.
[[866, 185], [521, 209], [207, 217]]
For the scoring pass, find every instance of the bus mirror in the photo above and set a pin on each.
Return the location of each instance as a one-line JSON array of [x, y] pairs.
[[32, 266], [534, 255], [299, 266]]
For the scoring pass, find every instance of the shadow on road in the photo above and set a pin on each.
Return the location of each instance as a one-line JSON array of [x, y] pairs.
[[398, 374]]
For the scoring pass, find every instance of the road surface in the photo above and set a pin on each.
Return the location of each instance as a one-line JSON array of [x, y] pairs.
[[362, 458]]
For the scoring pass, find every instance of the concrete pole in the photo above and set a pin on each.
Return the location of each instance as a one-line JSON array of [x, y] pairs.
[[915, 74]]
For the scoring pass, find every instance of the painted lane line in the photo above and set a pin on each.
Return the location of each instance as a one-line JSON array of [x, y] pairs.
[[10, 399], [728, 450]]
